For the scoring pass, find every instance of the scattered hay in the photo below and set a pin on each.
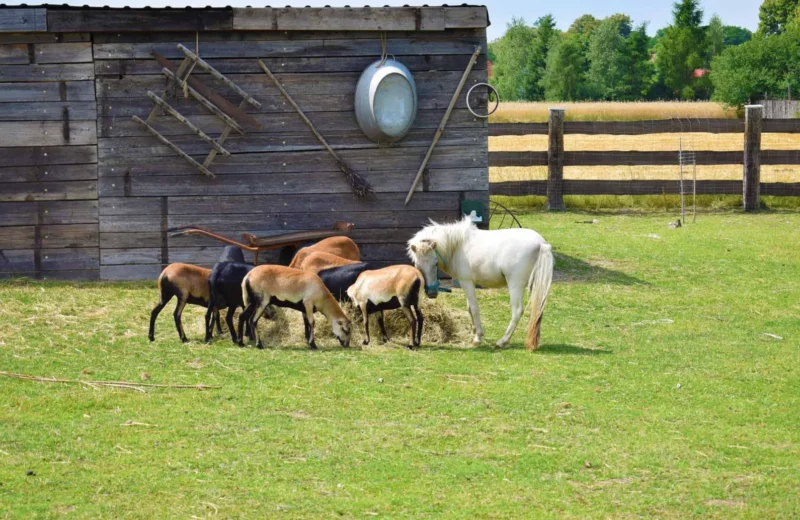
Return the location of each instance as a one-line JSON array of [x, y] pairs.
[[443, 326]]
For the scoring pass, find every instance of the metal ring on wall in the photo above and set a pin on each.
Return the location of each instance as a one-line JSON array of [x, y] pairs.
[[496, 95]]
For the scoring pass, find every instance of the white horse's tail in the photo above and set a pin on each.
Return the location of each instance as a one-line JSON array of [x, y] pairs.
[[539, 287]]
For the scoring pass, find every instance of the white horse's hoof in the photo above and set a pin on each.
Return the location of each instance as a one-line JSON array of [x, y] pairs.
[[476, 342], [500, 343]]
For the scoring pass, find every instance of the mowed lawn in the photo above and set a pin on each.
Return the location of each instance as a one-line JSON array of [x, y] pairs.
[[657, 393]]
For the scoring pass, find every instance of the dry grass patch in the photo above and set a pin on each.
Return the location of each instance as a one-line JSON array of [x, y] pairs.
[[527, 112]]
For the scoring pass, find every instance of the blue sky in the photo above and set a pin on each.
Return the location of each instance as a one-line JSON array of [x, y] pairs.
[[657, 12]]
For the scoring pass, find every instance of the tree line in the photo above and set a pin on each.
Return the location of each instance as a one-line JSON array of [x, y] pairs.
[[612, 59]]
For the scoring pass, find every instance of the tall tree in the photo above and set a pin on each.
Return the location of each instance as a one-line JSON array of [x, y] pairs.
[[682, 50], [511, 74], [715, 36], [619, 60], [775, 15], [736, 35], [763, 66], [546, 36], [565, 77]]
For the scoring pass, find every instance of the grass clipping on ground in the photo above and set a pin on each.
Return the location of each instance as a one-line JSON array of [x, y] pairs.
[[443, 325]]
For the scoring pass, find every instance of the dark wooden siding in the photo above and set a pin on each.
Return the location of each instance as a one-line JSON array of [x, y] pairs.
[[278, 179], [48, 154], [87, 193]]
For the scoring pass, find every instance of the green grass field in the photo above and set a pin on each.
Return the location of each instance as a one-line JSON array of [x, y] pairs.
[[656, 393]]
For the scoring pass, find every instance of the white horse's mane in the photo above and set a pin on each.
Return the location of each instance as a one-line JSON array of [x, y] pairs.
[[448, 237]]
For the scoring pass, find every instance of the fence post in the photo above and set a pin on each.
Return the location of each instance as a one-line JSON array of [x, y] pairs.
[[555, 160], [751, 182]]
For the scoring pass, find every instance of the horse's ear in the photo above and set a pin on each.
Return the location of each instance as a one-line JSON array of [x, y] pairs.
[[433, 244], [414, 247]]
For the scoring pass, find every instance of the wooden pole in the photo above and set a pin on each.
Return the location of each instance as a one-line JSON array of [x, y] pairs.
[[555, 160], [751, 182], [440, 130], [680, 160], [360, 185], [205, 102], [177, 115], [174, 148], [214, 72]]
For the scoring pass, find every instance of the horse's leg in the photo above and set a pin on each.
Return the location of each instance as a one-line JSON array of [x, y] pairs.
[[516, 292], [382, 325], [365, 315], [472, 303], [178, 324], [310, 316]]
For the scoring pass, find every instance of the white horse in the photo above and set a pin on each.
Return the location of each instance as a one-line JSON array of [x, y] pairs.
[[518, 258]]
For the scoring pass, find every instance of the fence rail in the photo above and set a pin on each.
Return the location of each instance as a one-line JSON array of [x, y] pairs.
[[555, 158]]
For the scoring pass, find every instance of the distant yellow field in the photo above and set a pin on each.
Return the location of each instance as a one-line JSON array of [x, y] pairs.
[[525, 112], [532, 112]]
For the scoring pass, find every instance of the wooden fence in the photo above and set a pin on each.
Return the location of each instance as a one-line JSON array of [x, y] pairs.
[[556, 158]]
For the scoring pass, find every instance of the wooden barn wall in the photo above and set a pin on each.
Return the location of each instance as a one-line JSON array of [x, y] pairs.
[[48, 152], [278, 179]]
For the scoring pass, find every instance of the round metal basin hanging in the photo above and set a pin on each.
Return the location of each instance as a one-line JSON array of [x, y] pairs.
[[386, 101]]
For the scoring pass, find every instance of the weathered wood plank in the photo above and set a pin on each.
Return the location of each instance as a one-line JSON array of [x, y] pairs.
[[78, 275], [55, 111], [97, 20], [174, 148], [320, 182], [52, 237], [650, 187], [293, 48], [209, 254], [78, 52], [678, 126], [311, 102], [188, 37], [38, 92], [631, 158], [44, 37], [286, 122], [30, 191], [754, 122], [23, 20], [297, 84], [152, 239], [341, 19], [44, 73], [49, 173], [361, 160], [129, 272], [40, 155], [289, 203], [260, 143], [293, 65], [70, 259], [16, 263], [128, 240], [466, 17], [48, 212], [14, 54], [48, 133]]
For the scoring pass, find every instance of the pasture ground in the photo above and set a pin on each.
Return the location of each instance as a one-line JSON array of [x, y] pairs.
[[656, 393]]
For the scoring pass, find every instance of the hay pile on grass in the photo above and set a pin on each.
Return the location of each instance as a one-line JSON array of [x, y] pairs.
[[444, 325]]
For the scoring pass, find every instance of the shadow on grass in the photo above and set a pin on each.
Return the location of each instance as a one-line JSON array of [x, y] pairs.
[[570, 269], [561, 349], [547, 349]]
